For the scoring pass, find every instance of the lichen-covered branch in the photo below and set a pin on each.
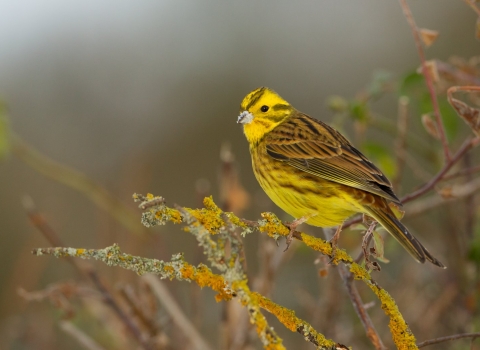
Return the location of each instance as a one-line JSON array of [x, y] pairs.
[[178, 269], [211, 218], [213, 229]]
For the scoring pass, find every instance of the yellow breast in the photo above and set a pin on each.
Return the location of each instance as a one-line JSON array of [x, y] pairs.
[[301, 194]]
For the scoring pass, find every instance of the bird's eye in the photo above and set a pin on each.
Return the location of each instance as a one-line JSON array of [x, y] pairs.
[[264, 108]]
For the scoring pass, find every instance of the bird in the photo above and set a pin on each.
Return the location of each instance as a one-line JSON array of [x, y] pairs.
[[313, 173]]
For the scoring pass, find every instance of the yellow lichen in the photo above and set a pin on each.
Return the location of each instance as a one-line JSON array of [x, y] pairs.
[[285, 316], [235, 220], [168, 269], [80, 251], [211, 219], [173, 215], [359, 273], [289, 320], [273, 225], [401, 333]]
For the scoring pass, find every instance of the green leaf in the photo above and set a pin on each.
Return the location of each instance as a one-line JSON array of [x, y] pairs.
[[380, 157], [359, 111], [412, 85], [474, 251]]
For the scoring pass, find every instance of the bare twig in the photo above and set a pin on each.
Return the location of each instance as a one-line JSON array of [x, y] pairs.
[[449, 338], [428, 78], [181, 321], [467, 171], [357, 302], [457, 192], [80, 336], [39, 222], [459, 75], [49, 233], [131, 300], [112, 303], [467, 145], [471, 3]]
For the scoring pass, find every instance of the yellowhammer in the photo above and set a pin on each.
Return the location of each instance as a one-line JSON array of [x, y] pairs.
[[312, 172]]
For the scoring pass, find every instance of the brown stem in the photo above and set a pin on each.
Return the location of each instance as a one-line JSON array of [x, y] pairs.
[[467, 171], [467, 145], [428, 78], [49, 233], [357, 302], [126, 319], [450, 337], [473, 6]]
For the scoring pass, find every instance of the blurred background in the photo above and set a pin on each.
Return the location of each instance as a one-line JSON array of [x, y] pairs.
[[142, 96]]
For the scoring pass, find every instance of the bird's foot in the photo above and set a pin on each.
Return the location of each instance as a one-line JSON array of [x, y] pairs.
[[293, 226], [369, 264], [333, 242]]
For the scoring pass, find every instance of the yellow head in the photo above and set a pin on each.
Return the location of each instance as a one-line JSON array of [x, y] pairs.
[[261, 111]]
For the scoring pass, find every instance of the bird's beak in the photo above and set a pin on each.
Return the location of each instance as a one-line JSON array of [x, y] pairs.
[[245, 118]]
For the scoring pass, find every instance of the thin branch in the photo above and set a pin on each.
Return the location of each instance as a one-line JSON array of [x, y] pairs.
[[449, 338], [428, 78], [463, 172], [357, 302], [458, 74], [53, 238], [456, 192], [181, 321], [131, 300], [467, 145], [80, 336], [126, 319], [473, 6]]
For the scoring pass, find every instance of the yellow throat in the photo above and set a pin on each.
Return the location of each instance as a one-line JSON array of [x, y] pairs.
[[261, 111]]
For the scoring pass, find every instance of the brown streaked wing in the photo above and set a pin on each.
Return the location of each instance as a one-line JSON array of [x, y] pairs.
[[318, 149]]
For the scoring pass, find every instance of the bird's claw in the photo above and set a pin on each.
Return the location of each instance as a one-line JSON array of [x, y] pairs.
[[333, 242], [293, 226]]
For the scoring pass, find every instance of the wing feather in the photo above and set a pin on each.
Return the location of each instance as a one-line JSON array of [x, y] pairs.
[[318, 149]]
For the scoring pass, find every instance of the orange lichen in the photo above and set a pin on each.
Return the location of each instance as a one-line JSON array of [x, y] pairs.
[[209, 217], [204, 277]]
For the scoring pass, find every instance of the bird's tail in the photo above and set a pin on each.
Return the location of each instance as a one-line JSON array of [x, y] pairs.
[[388, 220]]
